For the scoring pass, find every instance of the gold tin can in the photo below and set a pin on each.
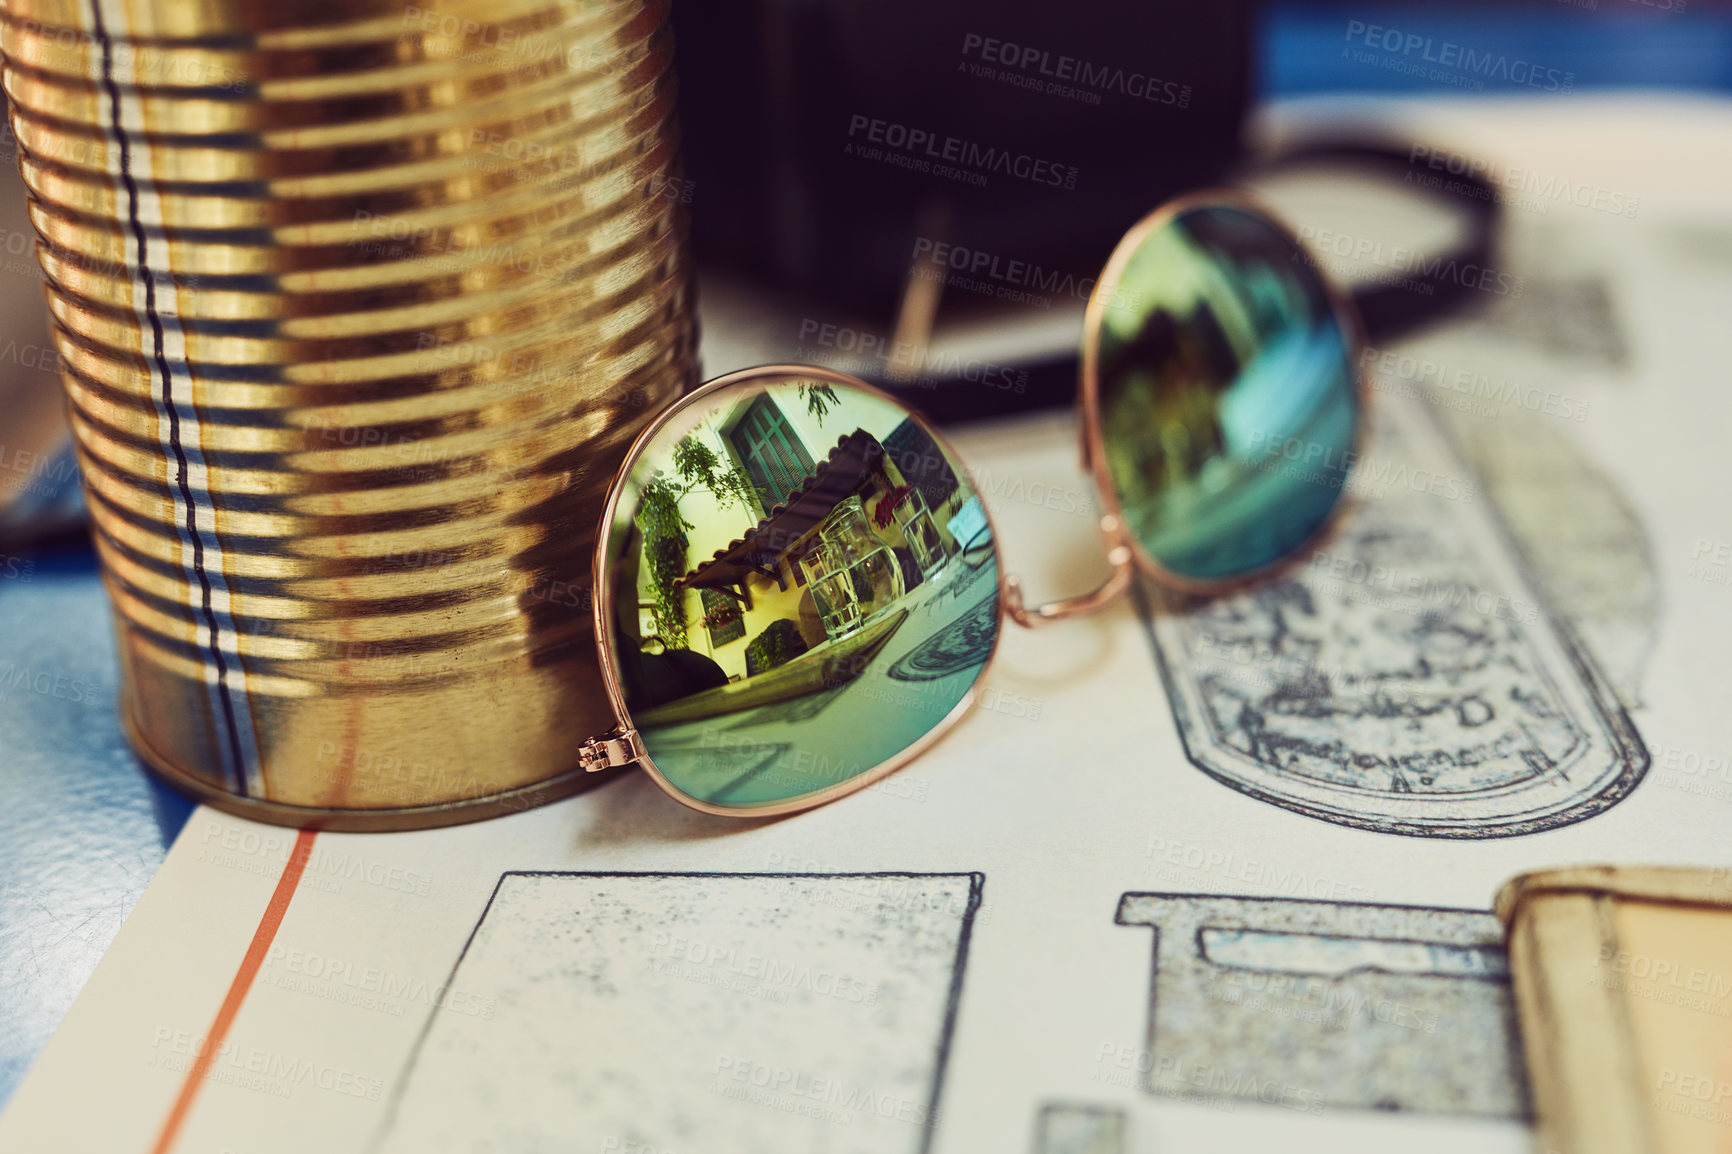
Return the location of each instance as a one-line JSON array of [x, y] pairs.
[[358, 307]]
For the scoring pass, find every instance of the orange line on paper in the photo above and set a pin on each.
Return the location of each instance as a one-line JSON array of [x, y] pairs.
[[255, 958]]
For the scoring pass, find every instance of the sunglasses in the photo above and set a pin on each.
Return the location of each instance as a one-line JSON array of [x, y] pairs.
[[798, 587]]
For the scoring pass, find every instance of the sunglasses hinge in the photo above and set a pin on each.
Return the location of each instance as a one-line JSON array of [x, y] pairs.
[[621, 747], [1119, 556]]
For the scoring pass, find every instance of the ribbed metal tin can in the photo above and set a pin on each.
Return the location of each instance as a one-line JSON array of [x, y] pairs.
[[358, 307]]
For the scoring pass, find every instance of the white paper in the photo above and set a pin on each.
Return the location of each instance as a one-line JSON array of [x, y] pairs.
[[949, 961]]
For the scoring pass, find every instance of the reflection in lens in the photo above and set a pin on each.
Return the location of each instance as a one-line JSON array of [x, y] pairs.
[[802, 585], [1228, 401]]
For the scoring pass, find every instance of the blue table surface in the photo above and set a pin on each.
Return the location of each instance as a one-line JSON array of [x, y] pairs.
[[83, 827]]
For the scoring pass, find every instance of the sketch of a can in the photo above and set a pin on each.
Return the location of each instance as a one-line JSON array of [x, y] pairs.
[[1408, 677], [357, 313]]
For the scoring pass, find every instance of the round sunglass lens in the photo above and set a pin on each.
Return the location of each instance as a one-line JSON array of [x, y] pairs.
[[1228, 400], [801, 586]]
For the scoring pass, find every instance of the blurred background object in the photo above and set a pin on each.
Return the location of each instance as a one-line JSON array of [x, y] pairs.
[[830, 144], [1306, 47], [853, 165]]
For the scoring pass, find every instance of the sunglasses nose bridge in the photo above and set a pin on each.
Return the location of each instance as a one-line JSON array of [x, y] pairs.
[[1119, 556]]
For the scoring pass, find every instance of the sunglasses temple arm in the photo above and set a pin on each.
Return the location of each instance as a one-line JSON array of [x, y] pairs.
[[1118, 556], [621, 747]]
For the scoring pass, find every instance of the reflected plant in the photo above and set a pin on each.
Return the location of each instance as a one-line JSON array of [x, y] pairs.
[[778, 644], [696, 468], [819, 398]]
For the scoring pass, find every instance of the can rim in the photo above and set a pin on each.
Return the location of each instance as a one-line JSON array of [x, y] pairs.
[[350, 820]]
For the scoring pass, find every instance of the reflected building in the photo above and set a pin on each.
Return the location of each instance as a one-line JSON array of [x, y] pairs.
[[810, 573]]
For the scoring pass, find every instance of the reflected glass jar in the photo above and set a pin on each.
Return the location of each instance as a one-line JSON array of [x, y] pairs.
[[915, 521], [832, 588], [859, 573]]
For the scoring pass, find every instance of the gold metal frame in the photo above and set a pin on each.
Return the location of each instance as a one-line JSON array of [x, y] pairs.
[[1126, 556], [1119, 556], [623, 746]]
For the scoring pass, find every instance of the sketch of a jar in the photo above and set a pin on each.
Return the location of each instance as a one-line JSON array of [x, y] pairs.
[[1410, 677]]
